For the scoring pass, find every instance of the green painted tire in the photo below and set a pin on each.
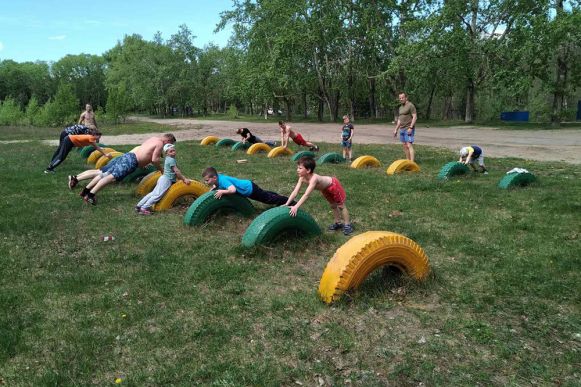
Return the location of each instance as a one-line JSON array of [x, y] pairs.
[[225, 142], [275, 221], [87, 150], [207, 205], [298, 155], [332, 157], [453, 168], [241, 146], [138, 174], [516, 180]]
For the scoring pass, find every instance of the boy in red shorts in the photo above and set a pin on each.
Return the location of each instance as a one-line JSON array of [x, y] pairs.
[[329, 186], [286, 132]]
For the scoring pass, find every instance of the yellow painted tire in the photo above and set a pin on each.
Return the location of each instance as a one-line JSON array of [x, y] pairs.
[[402, 165], [209, 140], [365, 162], [104, 160], [258, 147], [147, 184], [96, 155], [364, 253], [178, 190], [279, 151]]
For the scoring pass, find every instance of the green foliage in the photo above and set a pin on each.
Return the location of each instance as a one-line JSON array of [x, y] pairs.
[[232, 112], [62, 110], [10, 113], [32, 111], [117, 103]]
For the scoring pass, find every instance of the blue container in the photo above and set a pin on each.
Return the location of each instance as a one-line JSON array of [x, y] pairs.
[[514, 116]]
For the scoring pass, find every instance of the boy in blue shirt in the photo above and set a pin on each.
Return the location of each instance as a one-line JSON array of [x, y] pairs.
[[228, 185], [471, 155], [170, 173], [347, 137]]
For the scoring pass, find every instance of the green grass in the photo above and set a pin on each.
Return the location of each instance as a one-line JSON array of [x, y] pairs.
[[170, 304]]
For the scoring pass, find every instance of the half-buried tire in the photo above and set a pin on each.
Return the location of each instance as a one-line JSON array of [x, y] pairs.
[[332, 157], [513, 180], [241, 146], [271, 223], [138, 173], [147, 184], [209, 140], [207, 205], [179, 190], [96, 155], [365, 162], [225, 142], [402, 165], [259, 147], [453, 168], [279, 151], [87, 150], [300, 154], [364, 253]]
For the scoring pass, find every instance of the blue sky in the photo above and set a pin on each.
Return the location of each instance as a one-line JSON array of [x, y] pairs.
[[48, 30]]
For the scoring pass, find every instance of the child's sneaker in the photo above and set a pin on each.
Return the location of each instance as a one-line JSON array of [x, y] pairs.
[[73, 181], [145, 211], [49, 171], [314, 148], [137, 208], [486, 172], [84, 192], [336, 226], [90, 200], [348, 229]]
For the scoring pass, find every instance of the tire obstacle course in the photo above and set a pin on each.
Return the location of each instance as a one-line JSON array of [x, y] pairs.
[[332, 157], [96, 155], [207, 205], [362, 254], [179, 190], [258, 147], [515, 179], [402, 165], [300, 154], [147, 184], [103, 160], [87, 150], [365, 162], [453, 168], [139, 173], [275, 221], [279, 151], [209, 140]]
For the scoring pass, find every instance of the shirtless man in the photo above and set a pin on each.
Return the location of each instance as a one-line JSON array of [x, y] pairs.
[[147, 153], [87, 118], [286, 132]]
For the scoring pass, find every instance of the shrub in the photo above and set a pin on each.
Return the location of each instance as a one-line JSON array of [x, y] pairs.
[[10, 113]]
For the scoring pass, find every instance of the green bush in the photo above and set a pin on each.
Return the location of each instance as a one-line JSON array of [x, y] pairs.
[[10, 113], [62, 110], [32, 111], [232, 112]]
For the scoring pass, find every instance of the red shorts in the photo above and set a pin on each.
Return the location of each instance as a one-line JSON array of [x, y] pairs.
[[299, 140], [334, 193]]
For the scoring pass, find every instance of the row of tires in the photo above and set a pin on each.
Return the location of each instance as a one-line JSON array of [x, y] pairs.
[[449, 170]]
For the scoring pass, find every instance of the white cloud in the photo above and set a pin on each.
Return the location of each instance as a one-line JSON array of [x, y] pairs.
[[57, 37], [1, 46]]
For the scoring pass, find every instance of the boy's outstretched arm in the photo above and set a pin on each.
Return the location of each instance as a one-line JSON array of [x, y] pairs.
[[229, 191], [310, 188], [179, 175], [294, 193], [97, 147]]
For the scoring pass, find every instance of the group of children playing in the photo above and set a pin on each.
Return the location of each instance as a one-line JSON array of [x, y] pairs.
[[330, 187]]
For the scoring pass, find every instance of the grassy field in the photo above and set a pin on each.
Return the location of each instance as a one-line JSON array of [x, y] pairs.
[[168, 304]]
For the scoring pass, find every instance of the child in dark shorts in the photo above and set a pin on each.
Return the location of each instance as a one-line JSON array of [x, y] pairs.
[[347, 138], [329, 186]]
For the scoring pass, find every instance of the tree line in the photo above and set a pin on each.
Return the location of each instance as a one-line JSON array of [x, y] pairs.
[[457, 60]]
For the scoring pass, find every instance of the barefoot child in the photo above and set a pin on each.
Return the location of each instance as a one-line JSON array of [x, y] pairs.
[[471, 155], [228, 185], [170, 173], [329, 186], [286, 132]]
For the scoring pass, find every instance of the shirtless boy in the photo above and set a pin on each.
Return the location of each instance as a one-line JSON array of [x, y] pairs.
[[147, 153], [286, 132], [87, 118], [329, 186]]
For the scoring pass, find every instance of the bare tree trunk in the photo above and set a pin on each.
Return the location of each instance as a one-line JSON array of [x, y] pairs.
[[560, 78], [372, 108], [429, 108], [288, 105], [305, 107]]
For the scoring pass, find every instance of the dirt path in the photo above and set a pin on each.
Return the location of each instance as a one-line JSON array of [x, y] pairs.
[[542, 145]]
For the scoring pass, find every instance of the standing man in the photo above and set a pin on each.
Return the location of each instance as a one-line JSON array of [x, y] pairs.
[[87, 118], [406, 123]]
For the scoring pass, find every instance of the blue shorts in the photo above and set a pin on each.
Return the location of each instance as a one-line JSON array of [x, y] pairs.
[[405, 137], [347, 144], [121, 166]]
